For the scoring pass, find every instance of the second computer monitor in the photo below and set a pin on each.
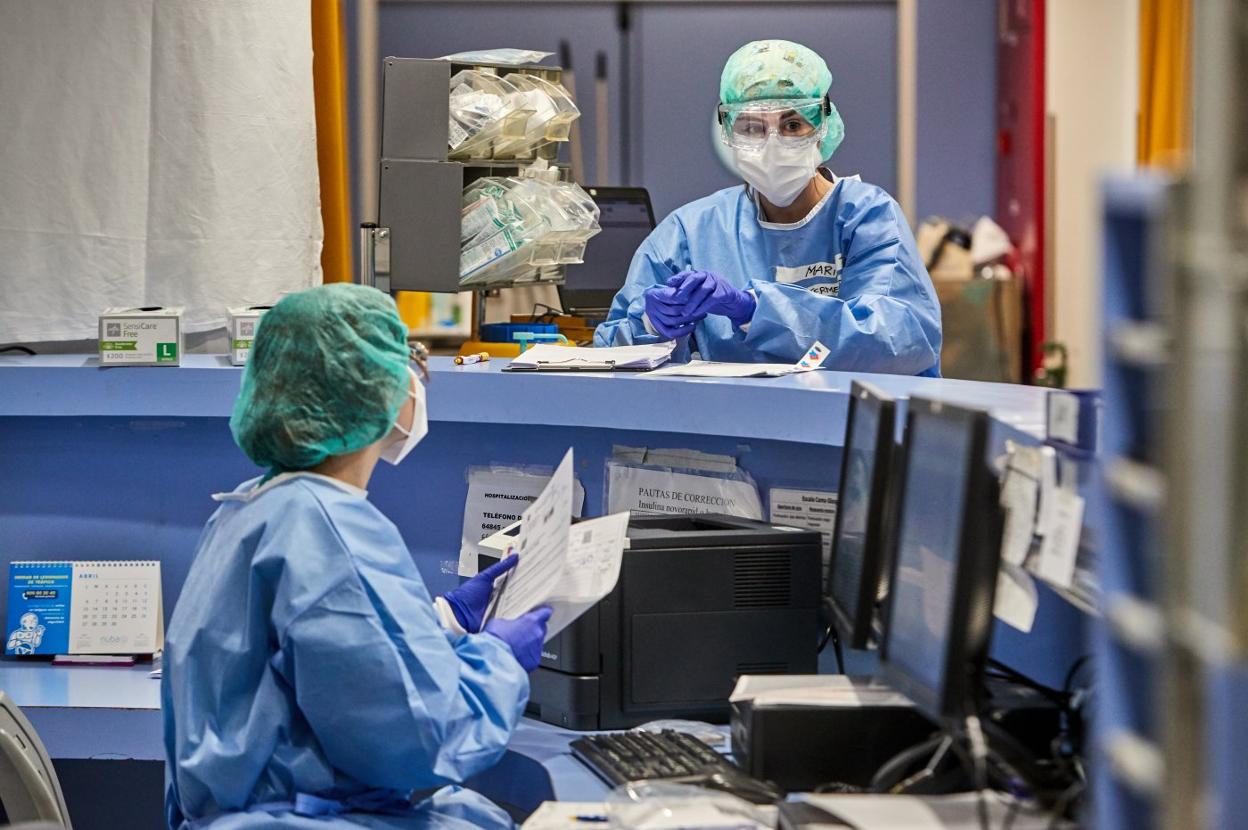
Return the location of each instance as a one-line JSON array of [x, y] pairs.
[[858, 539], [946, 552]]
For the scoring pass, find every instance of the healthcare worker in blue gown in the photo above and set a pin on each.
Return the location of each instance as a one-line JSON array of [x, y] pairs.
[[309, 680], [760, 272]]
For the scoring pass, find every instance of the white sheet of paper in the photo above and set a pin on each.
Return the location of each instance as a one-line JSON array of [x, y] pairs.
[[1017, 599], [711, 369], [542, 546], [811, 509], [809, 362], [660, 491], [1060, 549], [931, 812], [592, 567], [496, 499]]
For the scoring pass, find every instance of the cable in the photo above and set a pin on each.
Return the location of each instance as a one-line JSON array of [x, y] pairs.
[[546, 316], [836, 649], [895, 765], [824, 640], [1073, 672], [979, 759], [22, 349]]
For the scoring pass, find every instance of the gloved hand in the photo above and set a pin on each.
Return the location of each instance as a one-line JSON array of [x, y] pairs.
[[524, 635], [469, 601], [701, 293], [664, 311]]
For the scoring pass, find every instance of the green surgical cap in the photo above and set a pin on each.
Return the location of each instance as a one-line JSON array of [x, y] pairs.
[[769, 70], [327, 375]]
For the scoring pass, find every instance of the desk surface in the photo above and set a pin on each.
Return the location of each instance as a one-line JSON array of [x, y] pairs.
[[114, 712], [774, 408]]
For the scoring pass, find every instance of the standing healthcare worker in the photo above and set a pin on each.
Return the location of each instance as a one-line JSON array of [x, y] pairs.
[[758, 273], [309, 681]]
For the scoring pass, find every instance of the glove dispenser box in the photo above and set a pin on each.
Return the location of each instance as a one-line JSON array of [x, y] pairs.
[[700, 601]]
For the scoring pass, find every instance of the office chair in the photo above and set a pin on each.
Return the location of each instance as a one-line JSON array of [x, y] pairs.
[[29, 789]]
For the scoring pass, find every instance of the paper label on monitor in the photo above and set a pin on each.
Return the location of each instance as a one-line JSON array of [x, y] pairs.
[[1017, 599], [1018, 497], [1060, 549]]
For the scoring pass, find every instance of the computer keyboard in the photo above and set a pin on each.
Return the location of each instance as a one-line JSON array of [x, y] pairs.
[[622, 757]]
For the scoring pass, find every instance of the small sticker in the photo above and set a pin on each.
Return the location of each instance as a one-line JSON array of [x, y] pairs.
[[1064, 417]]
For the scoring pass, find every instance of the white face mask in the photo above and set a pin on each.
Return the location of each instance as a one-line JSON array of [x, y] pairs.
[[777, 171], [397, 450]]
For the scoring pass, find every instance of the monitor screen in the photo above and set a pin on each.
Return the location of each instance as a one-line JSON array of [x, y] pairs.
[[928, 548], [855, 506], [626, 221]]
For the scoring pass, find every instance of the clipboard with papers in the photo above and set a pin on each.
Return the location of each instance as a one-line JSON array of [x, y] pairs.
[[550, 358]]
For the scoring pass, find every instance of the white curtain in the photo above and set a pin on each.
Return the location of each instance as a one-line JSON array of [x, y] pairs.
[[153, 152]]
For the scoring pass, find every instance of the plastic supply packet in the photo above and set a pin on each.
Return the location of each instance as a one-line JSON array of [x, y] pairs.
[[707, 733], [643, 805], [510, 57]]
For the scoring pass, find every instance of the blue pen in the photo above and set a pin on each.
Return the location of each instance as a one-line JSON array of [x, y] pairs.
[[595, 819]]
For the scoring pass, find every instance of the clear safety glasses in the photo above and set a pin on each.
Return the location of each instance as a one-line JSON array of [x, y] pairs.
[[794, 122]]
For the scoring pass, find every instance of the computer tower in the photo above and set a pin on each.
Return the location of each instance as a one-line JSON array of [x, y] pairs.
[[701, 600]]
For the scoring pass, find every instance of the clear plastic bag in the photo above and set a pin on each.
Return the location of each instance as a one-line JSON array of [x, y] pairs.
[[707, 733], [510, 57], [643, 805]]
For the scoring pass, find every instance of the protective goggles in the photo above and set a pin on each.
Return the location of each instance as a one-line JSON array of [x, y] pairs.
[[798, 122]]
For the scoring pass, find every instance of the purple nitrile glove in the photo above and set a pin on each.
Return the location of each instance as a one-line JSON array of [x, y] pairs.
[[703, 293], [665, 314], [524, 635], [469, 601]]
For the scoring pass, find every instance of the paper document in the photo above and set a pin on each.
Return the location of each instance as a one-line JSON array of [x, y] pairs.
[[926, 812], [569, 568], [595, 553], [827, 690], [619, 357], [811, 361]]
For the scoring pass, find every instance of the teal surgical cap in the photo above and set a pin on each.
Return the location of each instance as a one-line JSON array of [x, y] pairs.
[[327, 375], [770, 70]]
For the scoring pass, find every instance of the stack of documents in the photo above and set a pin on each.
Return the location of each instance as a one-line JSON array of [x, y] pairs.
[[822, 690], [811, 361], [570, 568], [550, 358]]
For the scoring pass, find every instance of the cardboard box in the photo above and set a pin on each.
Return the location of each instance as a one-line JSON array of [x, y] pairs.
[[242, 330], [141, 337]]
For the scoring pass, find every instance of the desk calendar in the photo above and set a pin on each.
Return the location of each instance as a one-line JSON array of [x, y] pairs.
[[84, 608]]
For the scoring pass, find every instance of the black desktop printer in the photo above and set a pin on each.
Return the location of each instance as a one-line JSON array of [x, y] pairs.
[[701, 600]]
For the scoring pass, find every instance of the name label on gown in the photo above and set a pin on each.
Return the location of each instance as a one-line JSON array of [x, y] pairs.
[[823, 278]]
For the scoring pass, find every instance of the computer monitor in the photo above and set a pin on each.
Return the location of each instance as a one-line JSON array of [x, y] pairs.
[[859, 537], [626, 219], [946, 551]]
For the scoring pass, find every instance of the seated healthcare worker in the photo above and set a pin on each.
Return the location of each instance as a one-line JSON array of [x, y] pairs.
[[309, 680], [758, 273]]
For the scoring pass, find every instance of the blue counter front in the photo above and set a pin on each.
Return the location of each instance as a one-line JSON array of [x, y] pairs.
[[120, 463]]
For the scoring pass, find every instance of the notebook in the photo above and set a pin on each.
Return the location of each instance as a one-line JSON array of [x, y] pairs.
[[84, 608]]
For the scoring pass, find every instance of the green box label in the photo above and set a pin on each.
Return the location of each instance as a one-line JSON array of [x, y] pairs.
[[241, 344], [119, 346], [166, 352]]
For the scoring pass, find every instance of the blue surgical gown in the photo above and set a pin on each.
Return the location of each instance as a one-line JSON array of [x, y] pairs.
[[305, 657], [849, 276]]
